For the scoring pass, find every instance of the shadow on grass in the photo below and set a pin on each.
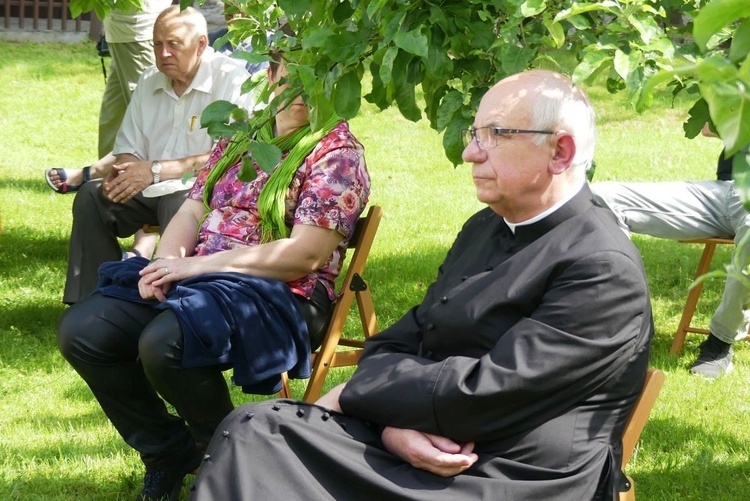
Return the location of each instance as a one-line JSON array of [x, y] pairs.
[[38, 185], [701, 475], [27, 245]]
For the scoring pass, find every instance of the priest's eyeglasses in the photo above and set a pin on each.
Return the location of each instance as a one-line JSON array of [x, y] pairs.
[[487, 136]]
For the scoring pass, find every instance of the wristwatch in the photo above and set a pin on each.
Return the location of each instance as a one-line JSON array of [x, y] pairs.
[[156, 170]]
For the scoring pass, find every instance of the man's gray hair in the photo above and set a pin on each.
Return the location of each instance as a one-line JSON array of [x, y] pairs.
[[559, 105], [190, 16]]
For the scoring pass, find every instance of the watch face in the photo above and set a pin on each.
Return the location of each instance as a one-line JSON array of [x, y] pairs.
[[156, 167]]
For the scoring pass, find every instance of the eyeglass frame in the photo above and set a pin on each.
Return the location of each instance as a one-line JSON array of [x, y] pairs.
[[497, 131]]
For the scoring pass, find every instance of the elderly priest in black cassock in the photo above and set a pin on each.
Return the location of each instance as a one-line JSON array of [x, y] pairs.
[[513, 379]]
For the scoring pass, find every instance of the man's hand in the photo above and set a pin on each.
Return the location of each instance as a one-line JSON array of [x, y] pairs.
[[331, 399], [126, 180], [439, 455]]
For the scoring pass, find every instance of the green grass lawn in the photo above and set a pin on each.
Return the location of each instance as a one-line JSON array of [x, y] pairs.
[[55, 443]]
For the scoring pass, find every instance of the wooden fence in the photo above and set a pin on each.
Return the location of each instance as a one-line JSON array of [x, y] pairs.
[[42, 15]]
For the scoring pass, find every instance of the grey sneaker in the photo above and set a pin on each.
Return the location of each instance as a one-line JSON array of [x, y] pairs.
[[714, 359]]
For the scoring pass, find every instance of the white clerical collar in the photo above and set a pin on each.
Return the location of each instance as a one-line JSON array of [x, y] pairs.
[[544, 214]]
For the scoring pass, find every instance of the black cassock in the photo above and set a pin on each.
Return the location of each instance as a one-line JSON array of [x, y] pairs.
[[533, 345]]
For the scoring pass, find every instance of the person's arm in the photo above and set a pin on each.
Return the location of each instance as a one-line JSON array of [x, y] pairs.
[[178, 240], [584, 330], [130, 175], [439, 455], [286, 259]]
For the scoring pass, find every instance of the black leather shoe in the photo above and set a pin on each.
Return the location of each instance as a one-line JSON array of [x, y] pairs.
[[165, 485]]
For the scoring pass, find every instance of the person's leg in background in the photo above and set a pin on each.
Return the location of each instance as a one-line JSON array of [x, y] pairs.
[[128, 62], [97, 223], [688, 210]]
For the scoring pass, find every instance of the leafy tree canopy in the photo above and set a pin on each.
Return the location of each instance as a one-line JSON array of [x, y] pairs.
[[436, 58]]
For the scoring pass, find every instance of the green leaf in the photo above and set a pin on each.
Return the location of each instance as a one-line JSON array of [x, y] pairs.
[[267, 156], [386, 68], [451, 102], [514, 59], [625, 63], [343, 11], [347, 95], [452, 143], [556, 32], [413, 42], [650, 83], [218, 130], [407, 102], [531, 8], [741, 175], [646, 26], [331, 79], [607, 6], [347, 47], [218, 111], [316, 38], [374, 7], [697, 118], [320, 110], [238, 114], [377, 95], [579, 22], [591, 63], [716, 15], [307, 76], [294, 8], [740, 47], [438, 63], [730, 113], [247, 171]]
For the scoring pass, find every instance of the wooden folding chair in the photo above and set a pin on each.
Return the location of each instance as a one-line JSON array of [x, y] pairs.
[[636, 422], [709, 247], [353, 286]]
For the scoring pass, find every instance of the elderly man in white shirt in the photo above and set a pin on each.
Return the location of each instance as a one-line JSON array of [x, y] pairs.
[[160, 139]]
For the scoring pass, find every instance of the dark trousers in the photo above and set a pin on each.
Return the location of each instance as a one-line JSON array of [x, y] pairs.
[[97, 223], [130, 354]]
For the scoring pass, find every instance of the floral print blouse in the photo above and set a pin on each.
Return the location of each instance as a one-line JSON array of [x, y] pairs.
[[329, 190]]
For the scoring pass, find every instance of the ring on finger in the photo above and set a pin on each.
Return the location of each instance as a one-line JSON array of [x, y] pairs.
[[166, 271]]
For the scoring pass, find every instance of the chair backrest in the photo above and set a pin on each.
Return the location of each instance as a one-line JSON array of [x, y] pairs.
[[640, 413], [353, 286]]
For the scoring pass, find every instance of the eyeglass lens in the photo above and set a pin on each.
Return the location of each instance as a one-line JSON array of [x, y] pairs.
[[485, 137]]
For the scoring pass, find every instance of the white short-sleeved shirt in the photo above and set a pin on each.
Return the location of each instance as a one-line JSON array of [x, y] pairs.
[[159, 125]]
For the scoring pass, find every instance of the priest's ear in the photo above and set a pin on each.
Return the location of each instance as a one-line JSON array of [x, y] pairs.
[[565, 152]]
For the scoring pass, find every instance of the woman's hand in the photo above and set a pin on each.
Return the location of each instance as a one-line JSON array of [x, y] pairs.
[[159, 275], [149, 291]]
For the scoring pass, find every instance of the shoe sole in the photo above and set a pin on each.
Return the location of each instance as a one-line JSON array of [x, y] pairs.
[[709, 378]]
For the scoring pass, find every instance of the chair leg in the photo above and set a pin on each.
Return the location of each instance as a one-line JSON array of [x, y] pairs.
[[692, 299], [286, 390], [628, 495]]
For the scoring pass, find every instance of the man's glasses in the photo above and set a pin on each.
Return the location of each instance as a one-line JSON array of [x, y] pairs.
[[487, 136]]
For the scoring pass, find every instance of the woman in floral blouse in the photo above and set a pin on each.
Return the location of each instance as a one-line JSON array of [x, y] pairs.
[[242, 279]]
